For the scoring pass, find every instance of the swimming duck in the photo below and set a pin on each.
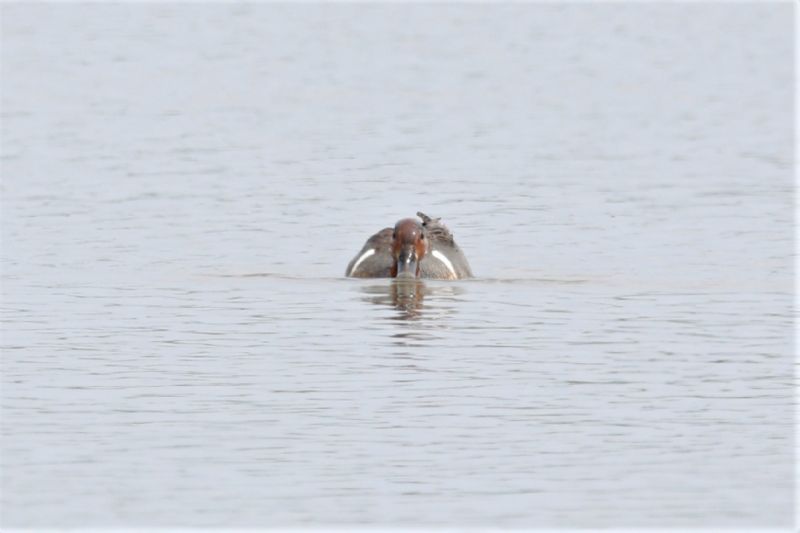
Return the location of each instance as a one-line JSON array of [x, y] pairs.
[[411, 250]]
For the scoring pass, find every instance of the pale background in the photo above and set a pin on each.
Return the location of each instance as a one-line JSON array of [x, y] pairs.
[[183, 186]]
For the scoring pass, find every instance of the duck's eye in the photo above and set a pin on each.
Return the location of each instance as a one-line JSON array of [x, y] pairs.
[[422, 236]]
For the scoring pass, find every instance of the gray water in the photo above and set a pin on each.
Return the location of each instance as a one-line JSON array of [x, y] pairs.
[[183, 186]]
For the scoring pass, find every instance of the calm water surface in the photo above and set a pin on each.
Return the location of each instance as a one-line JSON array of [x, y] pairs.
[[183, 187]]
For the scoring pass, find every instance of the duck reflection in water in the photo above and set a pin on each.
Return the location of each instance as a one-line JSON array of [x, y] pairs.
[[405, 295], [409, 297]]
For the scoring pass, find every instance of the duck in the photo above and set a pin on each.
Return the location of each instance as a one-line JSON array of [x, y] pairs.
[[423, 248]]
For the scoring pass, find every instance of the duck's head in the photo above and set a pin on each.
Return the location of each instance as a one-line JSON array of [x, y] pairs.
[[409, 246]]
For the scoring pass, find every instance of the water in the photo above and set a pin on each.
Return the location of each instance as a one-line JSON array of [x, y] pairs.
[[183, 187]]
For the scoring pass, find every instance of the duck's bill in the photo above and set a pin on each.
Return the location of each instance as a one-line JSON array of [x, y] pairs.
[[407, 263]]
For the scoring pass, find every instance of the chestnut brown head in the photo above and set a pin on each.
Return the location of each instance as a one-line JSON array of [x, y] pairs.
[[409, 246]]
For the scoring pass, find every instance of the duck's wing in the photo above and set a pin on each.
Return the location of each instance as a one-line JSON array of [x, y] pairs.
[[445, 259], [445, 263], [375, 258]]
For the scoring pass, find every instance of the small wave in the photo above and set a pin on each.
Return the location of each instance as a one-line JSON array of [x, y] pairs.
[[517, 280]]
